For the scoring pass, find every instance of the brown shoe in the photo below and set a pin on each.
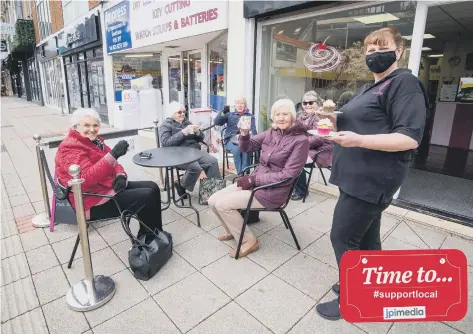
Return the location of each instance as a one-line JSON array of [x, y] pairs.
[[247, 251], [225, 237]]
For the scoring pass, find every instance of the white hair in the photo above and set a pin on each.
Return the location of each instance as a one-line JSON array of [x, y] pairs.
[[243, 99], [284, 103], [80, 114], [315, 97], [172, 108]]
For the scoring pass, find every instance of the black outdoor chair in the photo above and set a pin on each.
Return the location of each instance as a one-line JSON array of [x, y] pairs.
[[281, 210], [254, 156], [311, 167], [61, 192], [226, 153]]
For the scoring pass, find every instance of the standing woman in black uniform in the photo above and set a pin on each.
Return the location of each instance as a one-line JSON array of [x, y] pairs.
[[378, 130]]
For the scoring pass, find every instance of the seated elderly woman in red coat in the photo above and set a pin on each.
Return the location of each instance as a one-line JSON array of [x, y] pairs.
[[284, 149], [104, 175]]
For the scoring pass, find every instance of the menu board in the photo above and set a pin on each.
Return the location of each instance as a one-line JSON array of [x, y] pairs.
[[448, 93]]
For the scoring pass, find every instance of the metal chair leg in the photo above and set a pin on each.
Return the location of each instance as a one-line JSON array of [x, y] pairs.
[[179, 181], [283, 219], [323, 176], [223, 164], [245, 222], [308, 183], [290, 229], [74, 250]]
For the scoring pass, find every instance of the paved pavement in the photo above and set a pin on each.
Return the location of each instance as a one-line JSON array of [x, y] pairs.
[[200, 290]]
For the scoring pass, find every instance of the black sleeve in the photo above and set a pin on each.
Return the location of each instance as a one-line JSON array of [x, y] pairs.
[[407, 108]]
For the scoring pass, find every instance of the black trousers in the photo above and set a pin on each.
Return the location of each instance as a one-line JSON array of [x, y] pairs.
[[140, 197], [356, 225]]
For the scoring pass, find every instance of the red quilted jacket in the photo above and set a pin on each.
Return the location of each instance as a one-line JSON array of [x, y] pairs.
[[98, 168]]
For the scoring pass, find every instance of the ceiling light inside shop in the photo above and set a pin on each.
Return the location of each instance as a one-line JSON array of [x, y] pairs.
[[138, 55], [376, 18], [280, 32], [426, 36], [297, 31], [424, 48], [436, 56]]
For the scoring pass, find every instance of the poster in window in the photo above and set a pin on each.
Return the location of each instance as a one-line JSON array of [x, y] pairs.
[[465, 90], [469, 62], [286, 52]]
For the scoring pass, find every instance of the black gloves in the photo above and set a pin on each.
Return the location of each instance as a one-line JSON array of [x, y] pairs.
[[119, 183], [226, 109], [119, 149]]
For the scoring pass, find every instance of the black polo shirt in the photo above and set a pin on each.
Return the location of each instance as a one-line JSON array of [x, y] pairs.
[[395, 104]]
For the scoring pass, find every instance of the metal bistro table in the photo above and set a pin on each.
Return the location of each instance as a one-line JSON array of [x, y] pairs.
[[171, 158]]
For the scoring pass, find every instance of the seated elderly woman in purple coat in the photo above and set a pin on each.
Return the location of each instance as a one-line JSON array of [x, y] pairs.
[[284, 149], [311, 102]]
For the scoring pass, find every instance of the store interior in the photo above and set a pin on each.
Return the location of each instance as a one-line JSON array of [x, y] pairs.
[[178, 70], [441, 176]]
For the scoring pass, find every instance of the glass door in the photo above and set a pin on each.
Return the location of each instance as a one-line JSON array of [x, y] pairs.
[[98, 99], [175, 80], [195, 80]]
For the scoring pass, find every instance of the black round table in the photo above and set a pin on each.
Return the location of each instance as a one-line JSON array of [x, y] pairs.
[[168, 157], [171, 158]]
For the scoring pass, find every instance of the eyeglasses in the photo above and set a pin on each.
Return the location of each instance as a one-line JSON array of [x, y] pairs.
[[308, 103], [180, 112], [89, 126]]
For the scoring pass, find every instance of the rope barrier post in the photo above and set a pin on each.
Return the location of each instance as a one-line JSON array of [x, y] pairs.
[[42, 220], [93, 291], [158, 144]]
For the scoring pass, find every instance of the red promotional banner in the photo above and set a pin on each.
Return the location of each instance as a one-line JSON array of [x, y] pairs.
[[403, 285]]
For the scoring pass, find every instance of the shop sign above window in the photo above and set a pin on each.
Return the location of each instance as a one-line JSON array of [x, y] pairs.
[[82, 33], [142, 23]]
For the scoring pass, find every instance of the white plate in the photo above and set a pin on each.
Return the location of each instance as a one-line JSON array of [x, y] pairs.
[[331, 134], [328, 113]]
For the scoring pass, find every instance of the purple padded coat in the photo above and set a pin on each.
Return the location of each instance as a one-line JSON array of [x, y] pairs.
[[283, 155]]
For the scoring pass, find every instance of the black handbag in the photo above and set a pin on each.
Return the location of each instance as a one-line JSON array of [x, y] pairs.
[[254, 216], [148, 253]]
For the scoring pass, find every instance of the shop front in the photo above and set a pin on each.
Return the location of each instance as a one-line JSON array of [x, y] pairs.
[[51, 73], [438, 50], [81, 49], [181, 45]]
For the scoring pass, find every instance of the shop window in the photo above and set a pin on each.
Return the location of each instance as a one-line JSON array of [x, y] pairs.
[[217, 86], [291, 65], [127, 67]]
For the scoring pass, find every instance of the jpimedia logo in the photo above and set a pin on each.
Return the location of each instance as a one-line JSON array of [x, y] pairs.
[[412, 312]]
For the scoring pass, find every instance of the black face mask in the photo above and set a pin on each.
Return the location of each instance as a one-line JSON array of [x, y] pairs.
[[379, 62]]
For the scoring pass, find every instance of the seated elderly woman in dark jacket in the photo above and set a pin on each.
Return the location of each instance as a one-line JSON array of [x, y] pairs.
[[284, 150], [311, 102], [177, 131], [103, 174]]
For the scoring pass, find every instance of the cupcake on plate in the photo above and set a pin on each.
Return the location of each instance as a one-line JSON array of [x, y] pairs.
[[329, 107], [324, 126]]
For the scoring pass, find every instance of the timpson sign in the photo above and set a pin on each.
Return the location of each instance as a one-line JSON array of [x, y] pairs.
[[133, 24]]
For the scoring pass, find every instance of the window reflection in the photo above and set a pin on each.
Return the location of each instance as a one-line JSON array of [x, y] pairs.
[[217, 72]]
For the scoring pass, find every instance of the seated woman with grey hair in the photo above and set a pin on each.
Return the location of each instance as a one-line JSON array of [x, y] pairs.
[[284, 149], [231, 119], [177, 131], [321, 149], [103, 174]]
